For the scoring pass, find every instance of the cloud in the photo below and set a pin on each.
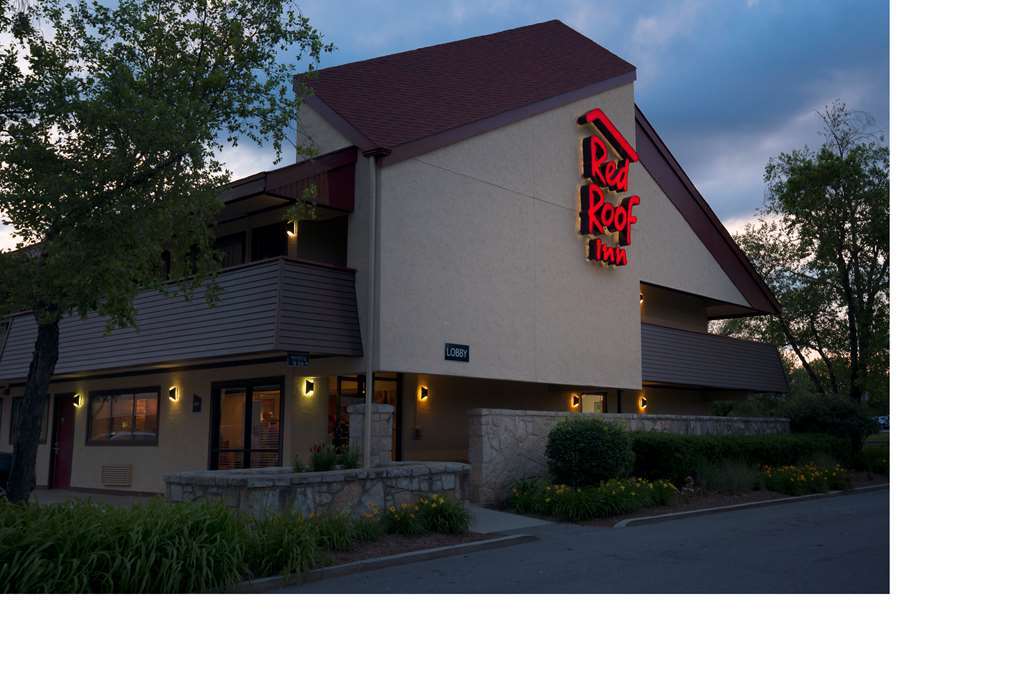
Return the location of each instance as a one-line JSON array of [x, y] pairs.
[[246, 159]]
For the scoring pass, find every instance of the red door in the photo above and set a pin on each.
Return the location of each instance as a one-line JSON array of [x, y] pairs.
[[63, 442]]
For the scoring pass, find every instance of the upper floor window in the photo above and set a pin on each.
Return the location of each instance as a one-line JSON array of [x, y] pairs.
[[129, 417]]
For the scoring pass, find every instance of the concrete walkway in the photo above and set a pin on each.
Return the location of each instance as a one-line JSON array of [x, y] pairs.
[[488, 521]]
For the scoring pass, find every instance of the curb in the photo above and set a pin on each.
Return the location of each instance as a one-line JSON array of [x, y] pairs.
[[667, 517], [270, 583]]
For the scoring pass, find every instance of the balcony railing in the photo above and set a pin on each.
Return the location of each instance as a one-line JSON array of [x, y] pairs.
[[266, 307], [694, 359]]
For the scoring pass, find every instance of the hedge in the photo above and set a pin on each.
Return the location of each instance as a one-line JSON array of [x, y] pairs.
[[675, 456], [584, 451]]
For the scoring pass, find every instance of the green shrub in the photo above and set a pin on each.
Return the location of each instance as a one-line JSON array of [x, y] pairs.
[[285, 543], [583, 451], [368, 528], [830, 414], [334, 531], [84, 547], [674, 457], [323, 457], [577, 504], [348, 459], [434, 514], [871, 458], [443, 515], [727, 476], [800, 480]]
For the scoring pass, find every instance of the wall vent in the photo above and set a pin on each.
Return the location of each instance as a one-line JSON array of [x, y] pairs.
[[116, 475]]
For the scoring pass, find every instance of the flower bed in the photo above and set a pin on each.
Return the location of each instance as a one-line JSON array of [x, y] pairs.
[[800, 480], [576, 504], [159, 547]]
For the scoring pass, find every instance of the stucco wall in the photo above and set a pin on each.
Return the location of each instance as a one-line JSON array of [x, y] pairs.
[[314, 132], [480, 247], [184, 435]]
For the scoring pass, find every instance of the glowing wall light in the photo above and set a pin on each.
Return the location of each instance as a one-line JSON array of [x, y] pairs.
[[310, 387], [424, 392], [172, 393], [576, 400], [77, 400], [643, 403]]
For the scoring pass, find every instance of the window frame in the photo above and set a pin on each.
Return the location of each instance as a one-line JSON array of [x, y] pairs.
[[90, 440]]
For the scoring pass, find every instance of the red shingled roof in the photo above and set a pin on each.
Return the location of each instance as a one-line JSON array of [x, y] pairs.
[[409, 96]]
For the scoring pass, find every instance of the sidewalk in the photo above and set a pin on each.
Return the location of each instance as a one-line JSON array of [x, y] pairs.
[[488, 521]]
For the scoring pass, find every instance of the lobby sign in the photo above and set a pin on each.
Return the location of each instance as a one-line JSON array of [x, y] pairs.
[[605, 214], [456, 352]]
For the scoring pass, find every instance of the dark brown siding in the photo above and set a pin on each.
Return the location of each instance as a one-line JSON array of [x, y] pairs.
[[681, 357], [273, 305]]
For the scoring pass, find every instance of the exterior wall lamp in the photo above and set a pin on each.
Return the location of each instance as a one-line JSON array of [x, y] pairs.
[[424, 392], [576, 400], [643, 403], [76, 400], [641, 298], [292, 231], [172, 393], [310, 387]]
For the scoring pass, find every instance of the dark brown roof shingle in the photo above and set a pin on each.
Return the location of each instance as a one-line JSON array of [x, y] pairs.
[[409, 96]]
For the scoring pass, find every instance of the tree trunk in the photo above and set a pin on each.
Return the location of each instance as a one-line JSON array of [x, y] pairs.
[[30, 418]]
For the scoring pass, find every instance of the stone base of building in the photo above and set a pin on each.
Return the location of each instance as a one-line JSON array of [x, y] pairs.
[[506, 446], [263, 492]]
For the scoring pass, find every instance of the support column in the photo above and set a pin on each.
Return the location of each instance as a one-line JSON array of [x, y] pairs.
[[381, 419]]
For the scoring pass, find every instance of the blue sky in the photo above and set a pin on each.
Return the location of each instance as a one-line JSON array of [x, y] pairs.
[[727, 83]]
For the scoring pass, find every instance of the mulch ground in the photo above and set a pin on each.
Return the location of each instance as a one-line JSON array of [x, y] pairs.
[[394, 544]]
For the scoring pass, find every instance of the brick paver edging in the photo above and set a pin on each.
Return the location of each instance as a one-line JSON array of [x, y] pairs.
[[669, 516]]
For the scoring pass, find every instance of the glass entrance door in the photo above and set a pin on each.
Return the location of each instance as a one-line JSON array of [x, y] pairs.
[[247, 420]]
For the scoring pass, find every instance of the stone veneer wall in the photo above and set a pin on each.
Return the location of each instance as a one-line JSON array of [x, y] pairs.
[[269, 490], [508, 445], [381, 430]]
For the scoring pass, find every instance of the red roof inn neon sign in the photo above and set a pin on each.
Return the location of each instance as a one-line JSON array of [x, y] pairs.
[[606, 168]]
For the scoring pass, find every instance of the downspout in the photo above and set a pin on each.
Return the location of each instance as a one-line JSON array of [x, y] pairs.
[[373, 314]]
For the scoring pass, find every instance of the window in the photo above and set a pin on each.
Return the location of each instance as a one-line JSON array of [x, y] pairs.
[[231, 248], [12, 434], [269, 241], [593, 403], [130, 417], [247, 424]]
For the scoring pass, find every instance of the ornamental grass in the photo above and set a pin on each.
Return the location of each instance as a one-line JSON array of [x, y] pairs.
[[161, 547]]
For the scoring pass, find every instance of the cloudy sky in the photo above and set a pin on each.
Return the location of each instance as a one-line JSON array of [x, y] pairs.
[[727, 83]]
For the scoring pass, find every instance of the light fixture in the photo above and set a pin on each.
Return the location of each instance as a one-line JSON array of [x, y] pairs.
[[293, 230], [310, 387], [424, 392], [576, 400], [77, 400], [643, 402], [172, 393], [641, 297]]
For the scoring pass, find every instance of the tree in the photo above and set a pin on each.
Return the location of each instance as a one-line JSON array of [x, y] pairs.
[[821, 242], [110, 122]]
